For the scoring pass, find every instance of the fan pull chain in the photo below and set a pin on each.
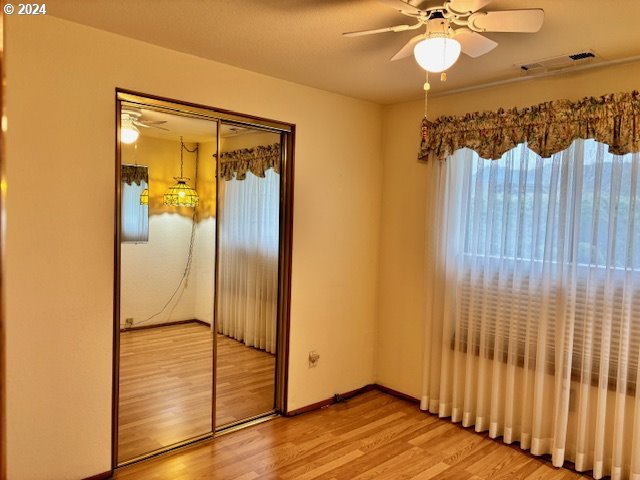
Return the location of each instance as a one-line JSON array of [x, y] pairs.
[[427, 87], [135, 153], [445, 31]]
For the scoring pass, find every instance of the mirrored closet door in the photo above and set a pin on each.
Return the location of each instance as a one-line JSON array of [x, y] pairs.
[[202, 266], [167, 260], [247, 286]]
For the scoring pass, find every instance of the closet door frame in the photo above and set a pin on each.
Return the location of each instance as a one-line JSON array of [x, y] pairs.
[[287, 132]]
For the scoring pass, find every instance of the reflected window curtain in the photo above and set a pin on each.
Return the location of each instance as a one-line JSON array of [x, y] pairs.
[[533, 324], [248, 260], [134, 216]]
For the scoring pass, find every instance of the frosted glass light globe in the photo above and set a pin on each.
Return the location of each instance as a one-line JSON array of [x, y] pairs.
[[436, 54], [128, 135]]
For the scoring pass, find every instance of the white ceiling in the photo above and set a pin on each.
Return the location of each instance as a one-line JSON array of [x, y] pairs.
[[190, 129], [301, 41]]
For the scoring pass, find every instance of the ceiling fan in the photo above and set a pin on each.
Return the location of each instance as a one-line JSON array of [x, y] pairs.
[[131, 119], [457, 20]]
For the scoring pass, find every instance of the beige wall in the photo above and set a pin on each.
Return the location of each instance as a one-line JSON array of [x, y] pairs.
[[248, 140], [60, 147], [401, 307]]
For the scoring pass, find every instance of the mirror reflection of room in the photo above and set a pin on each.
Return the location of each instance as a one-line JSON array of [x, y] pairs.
[[248, 245], [166, 280]]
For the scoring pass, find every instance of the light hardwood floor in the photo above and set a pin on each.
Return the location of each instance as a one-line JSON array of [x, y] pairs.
[[245, 381], [371, 436], [165, 385]]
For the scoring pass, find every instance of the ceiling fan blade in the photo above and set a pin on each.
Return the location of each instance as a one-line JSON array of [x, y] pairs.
[[526, 21], [127, 110], [152, 122], [407, 49], [396, 28], [473, 43], [465, 6], [139, 124], [401, 5]]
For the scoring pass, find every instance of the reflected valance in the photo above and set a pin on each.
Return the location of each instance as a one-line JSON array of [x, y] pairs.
[[255, 160], [135, 174], [547, 128]]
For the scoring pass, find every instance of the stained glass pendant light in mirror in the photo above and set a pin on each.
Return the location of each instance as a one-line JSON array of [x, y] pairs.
[[181, 194], [144, 197]]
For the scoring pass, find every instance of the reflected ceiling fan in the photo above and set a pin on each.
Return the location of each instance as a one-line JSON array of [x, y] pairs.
[[454, 26], [130, 122]]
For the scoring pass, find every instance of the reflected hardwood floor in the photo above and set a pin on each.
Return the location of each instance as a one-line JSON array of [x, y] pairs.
[[165, 385], [245, 381], [371, 436]]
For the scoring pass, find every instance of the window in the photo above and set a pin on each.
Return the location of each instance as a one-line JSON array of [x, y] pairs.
[[134, 215], [551, 247], [516, 206]]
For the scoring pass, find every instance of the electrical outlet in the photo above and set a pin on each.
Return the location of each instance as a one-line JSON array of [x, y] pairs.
[[313, 359], [128, 323]]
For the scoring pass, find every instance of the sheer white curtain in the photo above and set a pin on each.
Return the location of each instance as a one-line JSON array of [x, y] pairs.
[[533, 326], [248, 259]]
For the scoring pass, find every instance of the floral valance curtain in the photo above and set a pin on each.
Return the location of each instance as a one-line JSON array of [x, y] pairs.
[[135, 174], [547, 128], [255, 160]]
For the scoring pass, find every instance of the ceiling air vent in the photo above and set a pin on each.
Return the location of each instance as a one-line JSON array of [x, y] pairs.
[[560, 62], [582, 55]]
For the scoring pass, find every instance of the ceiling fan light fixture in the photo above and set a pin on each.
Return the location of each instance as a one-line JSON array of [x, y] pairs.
[[437, 53], [128, 132], [129, 135]]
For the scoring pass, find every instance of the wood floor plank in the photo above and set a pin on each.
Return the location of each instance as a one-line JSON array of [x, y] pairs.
[[477, 454], [497, 462], [432, 472], [452, 454], [390, 466], [372, 436]]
